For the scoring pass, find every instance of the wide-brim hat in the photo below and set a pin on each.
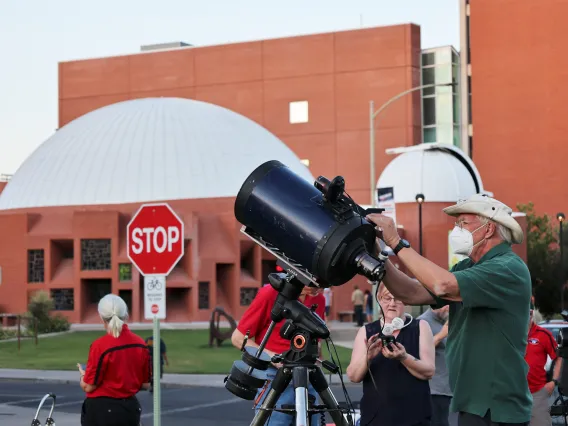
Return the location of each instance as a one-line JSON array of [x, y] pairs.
[[490, 208]]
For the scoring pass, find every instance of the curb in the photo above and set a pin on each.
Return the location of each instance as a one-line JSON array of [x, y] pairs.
[[71, 382], [164, 385]]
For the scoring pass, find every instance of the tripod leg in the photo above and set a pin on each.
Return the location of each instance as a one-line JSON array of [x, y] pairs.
[[300, 375], [280, 383], [319, 383]]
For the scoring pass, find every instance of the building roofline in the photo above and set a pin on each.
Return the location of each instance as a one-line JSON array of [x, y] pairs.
[[234, 42], [432, 49]]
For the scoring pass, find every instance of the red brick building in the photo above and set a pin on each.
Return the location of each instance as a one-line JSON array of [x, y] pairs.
[[513, 73], [64, 213]]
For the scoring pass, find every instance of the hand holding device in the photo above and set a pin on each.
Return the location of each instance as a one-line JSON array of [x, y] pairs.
[[398, 352], [374, 346]]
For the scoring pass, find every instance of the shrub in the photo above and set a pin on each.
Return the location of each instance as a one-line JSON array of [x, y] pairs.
[[40, 307]]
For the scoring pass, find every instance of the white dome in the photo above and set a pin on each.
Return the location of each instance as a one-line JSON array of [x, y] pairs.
[[441, 172], [145, 150]]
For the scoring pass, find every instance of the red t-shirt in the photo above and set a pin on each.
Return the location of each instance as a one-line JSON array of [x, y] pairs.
[[540, 344], [256, 319], [118, 366]]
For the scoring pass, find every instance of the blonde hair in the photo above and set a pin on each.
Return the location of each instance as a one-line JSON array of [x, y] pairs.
[[113, 311]]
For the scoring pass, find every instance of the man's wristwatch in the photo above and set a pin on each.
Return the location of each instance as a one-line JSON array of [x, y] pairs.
[[555, 382], [401, 244]]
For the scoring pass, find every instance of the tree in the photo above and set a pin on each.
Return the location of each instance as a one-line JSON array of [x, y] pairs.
[[543, 261]]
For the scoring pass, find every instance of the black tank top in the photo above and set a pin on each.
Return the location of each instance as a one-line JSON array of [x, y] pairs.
[[400, 398]]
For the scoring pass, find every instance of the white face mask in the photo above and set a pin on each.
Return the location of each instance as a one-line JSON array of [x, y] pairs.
[[461, 240]]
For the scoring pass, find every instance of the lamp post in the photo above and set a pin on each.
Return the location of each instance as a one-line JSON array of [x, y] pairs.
[[561, 217], [374, 114], [420, 200]]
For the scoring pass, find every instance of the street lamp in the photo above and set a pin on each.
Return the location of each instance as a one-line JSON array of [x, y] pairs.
[[561, 217], [420, 200], [374, 114]]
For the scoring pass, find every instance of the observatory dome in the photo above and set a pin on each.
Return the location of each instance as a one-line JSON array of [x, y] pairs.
[[145, 150], [443, 173]]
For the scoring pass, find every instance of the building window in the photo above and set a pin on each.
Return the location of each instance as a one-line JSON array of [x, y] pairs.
[[428, 77], [429, 105], [298, 112], [63, 299], [203, 295], [456, 109], [36, 266], [429, 134], [125, 272], [428, 58], [247, 295], [95, 255], [457, 136]]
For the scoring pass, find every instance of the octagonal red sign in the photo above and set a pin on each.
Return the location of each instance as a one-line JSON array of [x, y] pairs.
[[154, 239]]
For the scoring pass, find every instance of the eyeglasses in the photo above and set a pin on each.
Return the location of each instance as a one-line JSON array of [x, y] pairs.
[[386, 300]]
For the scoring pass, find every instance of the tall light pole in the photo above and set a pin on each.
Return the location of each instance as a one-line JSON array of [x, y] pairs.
[[373, 115], [420, 199], [561, 217]]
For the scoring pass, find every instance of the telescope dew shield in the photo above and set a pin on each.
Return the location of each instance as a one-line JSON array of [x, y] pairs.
[[328, 239]]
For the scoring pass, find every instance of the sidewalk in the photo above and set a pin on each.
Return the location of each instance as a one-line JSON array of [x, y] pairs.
[[168, 381]]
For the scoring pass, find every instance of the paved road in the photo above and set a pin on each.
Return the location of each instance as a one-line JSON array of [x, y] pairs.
[[206, 406]]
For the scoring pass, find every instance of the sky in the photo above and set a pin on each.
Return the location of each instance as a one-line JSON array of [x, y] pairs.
[[35, 35]]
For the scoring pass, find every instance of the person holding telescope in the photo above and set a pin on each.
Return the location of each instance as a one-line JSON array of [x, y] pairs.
[[489, 296]]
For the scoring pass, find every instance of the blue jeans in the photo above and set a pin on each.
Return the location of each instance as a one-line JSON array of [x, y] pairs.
[[287, 397]]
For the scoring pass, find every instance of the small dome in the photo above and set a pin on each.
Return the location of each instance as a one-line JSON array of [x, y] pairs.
[[145, 150], [441, 172]]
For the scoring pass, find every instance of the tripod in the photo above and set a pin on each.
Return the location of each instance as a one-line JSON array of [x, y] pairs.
[[303, 328]]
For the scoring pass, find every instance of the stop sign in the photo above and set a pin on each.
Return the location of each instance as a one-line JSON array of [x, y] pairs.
[[154, 239]]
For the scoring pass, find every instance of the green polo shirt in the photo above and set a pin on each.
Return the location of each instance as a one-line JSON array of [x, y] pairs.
[[487, 337]]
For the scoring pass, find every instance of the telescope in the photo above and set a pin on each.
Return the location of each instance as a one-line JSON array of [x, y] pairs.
[[321, 238], [316, 228]]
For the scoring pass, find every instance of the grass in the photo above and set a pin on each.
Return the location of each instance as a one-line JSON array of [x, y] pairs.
[[188, 352]]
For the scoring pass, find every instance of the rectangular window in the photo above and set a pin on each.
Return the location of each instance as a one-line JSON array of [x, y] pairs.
[[428, 77], [298, 112], [429, 134], [125, 272], [36, 266], [428, 58], [457, 136], [63, 299], [456, 109], [203, 294], [429, 107], [247, 295], [95, 255]]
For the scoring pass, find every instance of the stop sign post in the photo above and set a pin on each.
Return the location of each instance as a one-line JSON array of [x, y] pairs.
[[155, 244]]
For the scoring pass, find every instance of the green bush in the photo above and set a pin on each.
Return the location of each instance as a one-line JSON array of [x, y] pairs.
[[59, 323], [40, 308]]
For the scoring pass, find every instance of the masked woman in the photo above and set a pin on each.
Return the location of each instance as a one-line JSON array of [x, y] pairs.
[[117, 369], [396, 391]]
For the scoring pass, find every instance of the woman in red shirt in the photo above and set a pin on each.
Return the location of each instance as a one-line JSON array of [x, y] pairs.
[[117, 369]]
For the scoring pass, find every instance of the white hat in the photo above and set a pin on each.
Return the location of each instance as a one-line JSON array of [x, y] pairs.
[[490, 208]]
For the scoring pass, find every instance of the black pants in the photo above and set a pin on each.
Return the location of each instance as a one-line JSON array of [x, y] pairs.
[[111, 412], [467, 419], [358, 311], [441, 410]]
